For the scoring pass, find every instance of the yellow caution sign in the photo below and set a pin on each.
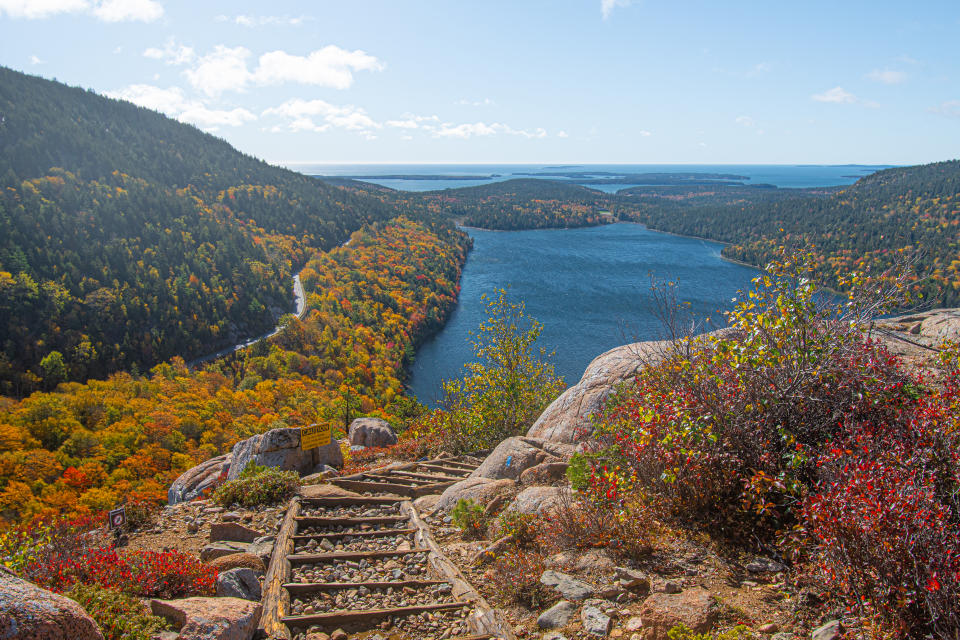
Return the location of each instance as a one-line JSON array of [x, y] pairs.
[[316, 435]]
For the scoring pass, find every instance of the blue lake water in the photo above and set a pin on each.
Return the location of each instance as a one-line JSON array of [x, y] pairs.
[[589, 287], [794, 176]]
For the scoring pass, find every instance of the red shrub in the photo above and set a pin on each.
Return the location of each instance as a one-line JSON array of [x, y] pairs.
[[885, 529]]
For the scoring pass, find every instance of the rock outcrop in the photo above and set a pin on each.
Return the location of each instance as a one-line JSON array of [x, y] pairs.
[[240, 583], [480, 490], [913, 337], [198, 480], [661, 612], [210, 618], [536, 500], [515, 455], [567, 419], [32, 613], [280, 448], [371, 432]]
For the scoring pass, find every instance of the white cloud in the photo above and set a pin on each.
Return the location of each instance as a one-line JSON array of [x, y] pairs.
[[38, 9], [607, 6], [887, 76], [169, 101], [562, 134], [104, 10], [950, 109], [327, 67], [35, 60], [469, 130], [300, 114], [174, 103], [403, 124], [645, 134], [225, 69], [486, 102], [745, 121], [205, 118], [836, 95], [128, 10], [171, 53], [262, 21]]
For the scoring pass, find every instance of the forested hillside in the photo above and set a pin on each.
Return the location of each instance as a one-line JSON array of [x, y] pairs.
[[870, 224], [524, 203], [87, 447], [127, 238]]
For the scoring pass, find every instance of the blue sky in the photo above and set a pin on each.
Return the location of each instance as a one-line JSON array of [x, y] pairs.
[[558, 81]]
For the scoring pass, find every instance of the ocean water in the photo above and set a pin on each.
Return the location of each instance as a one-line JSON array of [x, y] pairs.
[[430, 177], [590, 288]]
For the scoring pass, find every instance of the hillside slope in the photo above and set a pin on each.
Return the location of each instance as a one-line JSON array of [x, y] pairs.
[[127, 238], [867, 225]]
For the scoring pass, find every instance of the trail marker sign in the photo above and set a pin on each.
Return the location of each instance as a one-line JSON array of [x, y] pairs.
[[316, 435], [117, 518]]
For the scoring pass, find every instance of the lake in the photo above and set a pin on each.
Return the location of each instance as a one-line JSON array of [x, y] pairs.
[[590, 288]]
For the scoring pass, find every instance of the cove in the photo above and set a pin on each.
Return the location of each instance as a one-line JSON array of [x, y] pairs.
[[589, 287]]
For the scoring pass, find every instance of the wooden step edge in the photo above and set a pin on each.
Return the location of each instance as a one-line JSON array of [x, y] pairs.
[[350, 500], [363, 485], [356, 534], [433, 477], [321, 520], [304, 558], [304, 587], [457, 473], [337, 618], [391, 478]]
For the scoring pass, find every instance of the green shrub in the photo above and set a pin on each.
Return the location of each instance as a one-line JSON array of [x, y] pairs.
[[469, 517], [522, 526], [257, 485], [505, 390], [119, 616], [682, 632]]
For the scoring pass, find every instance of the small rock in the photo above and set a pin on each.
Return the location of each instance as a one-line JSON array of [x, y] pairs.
[[672, 587], [556, 616], [239, 583], [770, 627], [595, 622], [830, 631], [317, 635], [553, 635], [764, 565], [339, 634], [634, 623], [568, 586], [632, 580]]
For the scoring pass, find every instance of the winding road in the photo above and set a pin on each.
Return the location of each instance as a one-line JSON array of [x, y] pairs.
[[300, 298]]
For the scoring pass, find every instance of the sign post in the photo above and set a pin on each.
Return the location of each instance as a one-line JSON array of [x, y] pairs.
[[316, 435], [117, 518]]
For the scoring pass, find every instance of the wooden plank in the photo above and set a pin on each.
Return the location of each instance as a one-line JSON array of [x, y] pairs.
[[435, 477], [484, 619], [451, 470], [317, 521], [412, 482], [361, 485], [338, 618], [276, 600], [304, 558], [457, 464], [430, 489], [339, 501], [309, 587], [356, 534]]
